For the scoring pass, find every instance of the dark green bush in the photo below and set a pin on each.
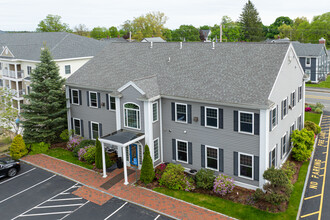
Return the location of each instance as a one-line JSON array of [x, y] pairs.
[[205, 179], [258, 195], [83, 143], [39, 148], [311, 126], [98, 156], [303, 142], [89, 156], [289, 169], [173, 177], [65, 135], [147, 170]]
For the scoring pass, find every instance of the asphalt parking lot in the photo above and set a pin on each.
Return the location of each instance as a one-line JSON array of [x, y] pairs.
[[37, 194]]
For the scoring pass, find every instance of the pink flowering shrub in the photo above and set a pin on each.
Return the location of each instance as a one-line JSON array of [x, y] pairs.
[[159, 170], [83, 151], [189, 183], [308, 109], [74, 142], [223, 185]]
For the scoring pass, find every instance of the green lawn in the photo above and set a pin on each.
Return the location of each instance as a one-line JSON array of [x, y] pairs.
[[240, 211], [323, 84], [309, 116], [66, 155]]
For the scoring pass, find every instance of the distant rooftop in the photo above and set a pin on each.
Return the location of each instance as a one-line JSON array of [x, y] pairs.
[[114, 40], [153, 39]]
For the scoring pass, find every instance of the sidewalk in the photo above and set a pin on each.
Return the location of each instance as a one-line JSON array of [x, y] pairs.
[[316, 89], [143, 197]]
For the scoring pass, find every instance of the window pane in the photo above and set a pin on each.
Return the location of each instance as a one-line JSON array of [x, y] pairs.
[[213, 153], [273, 157], [212, 158], [246, 171], [182, 151], [181, 114], [93, 99], [212, 163], [76, 127], [95, 130], [75, 99], [246, 160], [156, 150], [155, 111], [132, 118], [212, 117], [112, 103], [246, 122], [246, 127]]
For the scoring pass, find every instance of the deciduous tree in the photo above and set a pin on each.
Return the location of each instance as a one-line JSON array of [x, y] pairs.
[[52, 23], [8, 114]]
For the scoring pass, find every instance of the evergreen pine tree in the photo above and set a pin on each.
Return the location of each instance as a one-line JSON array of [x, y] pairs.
[[45, 114], [147, 170], [252, 28], [18, 148]]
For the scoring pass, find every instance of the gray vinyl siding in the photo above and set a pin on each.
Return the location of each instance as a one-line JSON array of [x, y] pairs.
[[130, 94], [100, 115], [226, 138], [289, 79], [156, 134]]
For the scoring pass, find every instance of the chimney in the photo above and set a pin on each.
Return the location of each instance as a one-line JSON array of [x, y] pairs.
[[322, 41]]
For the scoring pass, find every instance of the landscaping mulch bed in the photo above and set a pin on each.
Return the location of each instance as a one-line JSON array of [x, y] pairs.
[[239, 194], [58, 145]]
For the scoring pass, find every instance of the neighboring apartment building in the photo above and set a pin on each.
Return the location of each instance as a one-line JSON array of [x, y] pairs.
[[20, 52], [153, 39], [313, 59], [228, 107]]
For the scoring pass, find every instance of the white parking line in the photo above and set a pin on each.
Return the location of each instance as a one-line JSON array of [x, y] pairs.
[[53, 200], [58, 206], [17, 176], [50, 213], [74, 210], [27, 189], [157, 217], [116, 211]]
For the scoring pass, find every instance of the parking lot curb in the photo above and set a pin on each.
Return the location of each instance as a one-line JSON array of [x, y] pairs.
[[138, 204]]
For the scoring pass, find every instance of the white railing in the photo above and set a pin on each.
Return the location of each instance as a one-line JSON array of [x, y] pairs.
[[12, 74]]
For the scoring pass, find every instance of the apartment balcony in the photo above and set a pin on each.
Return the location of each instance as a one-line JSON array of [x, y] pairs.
[[17, 94], [19, 74]]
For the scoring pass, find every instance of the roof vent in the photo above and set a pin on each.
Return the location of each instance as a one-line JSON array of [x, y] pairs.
[[180, 45], [169, 59], [213, 45], [150, 44]]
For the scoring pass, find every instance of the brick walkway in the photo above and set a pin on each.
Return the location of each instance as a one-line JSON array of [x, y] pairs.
[[147, 198]]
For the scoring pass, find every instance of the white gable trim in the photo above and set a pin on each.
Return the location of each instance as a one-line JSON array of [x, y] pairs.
[[130, 83], [10, 54], [285, 60]]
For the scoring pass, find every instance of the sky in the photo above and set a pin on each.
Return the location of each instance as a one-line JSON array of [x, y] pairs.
[[24, 15]]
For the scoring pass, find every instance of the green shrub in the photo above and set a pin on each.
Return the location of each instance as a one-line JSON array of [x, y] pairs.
[[173, 177], [82, 144], [18, 148], [303, 142], [205, 179], [65, 135], [319, 105], [318, 110], [258, 195], [278, 188], [39, 148], [311, 126], [147, 170], [223, 185], [89, 156], [98, 157], [289, 169]]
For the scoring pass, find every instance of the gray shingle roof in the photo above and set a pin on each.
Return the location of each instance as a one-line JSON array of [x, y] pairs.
[[114, 40], [153, 39], [241, 73], [308, 49], [61, 44]]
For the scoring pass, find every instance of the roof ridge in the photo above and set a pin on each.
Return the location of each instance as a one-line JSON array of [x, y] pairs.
[[146, 77], [67, 34]]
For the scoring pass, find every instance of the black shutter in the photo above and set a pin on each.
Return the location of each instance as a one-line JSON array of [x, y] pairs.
[[202, 116], [100, 130], [87, 95], [270, 159], [72, 127], [256, 168], [173, 149], [173, 111], [203, 155], [235, 163], [190, 153], [189, 114], [281, 147], [256, 124], [277, 115], [89, 130], [70, 96], [270, 120], [80, 101], [107, 101], [276, 150], [235, 120], [82, 127], [220, 160], [221, 118], [282, 110], [287, 105], [98, 100]]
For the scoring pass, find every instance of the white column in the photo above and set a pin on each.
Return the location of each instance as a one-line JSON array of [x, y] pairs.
[[264, 145], [16, 70], [118, 115], [19, 106], [148, 127], [161, 129], [17, 89], [103, 162], [125, 167], [68, 107]]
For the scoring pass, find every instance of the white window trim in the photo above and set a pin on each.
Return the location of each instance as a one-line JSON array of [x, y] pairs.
[[239, 123], [295, 102], [239, 166], [287, 106], [125, 119], [210, 168], [299, 88], [72, 96], [286, 146], [27, 70], [155, 159], [205, 117], [299, 122], [65, 69], [310, 63], [176, 116], [98, 125], [73, 119], [28, 90], [97, 100], [110, 109], [274, 148], [153, 111], [276, 119], [186, 162]]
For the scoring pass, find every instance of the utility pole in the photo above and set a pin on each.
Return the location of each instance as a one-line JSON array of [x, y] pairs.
[[220, 32]]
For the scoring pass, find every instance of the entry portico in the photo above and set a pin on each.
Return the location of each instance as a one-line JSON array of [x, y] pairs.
[[121, 139]]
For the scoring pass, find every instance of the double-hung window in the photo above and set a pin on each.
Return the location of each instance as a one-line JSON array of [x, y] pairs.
[[299, 93], [156, 149], [95, 130], [212, 155], [246, 165], [77, 126], [112, 101], [182, 151], [93, 99], [273, 157], [246, 122], [181, 112], [293, 99], [211, 117], [308, 61], [75, 96], [154, 111], [274, 119], [285, 107], [67, 69], [284, 150], [132, 116], [29, 70]]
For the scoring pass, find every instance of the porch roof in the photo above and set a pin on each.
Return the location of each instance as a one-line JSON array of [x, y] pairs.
[[122, 138]]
